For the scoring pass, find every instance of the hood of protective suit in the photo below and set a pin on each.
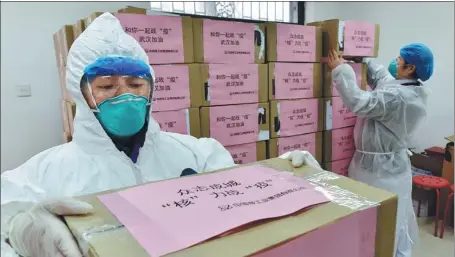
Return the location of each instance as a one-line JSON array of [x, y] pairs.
[[104, 37]]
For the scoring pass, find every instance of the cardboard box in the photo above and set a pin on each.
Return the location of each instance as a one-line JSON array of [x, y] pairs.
[[337, 115], [71, 111], [340, 167], [66, 39], [78, 28], [248, 153], [288, 42], [294, 80], [62, 78], [177, 87], [236, 124], [289, 236], [329, 88], [296, 117], [218, 41], [226, 84], [91, 18], [65, 117], [338, 144], [58, 58], [308, 142], [165, 39], [67, 137], [132, 9], [349, 38], [185, 121]]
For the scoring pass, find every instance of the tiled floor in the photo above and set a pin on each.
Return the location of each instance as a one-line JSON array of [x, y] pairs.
[[431, 246]]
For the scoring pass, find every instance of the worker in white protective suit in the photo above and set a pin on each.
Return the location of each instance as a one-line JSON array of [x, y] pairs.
[[387, 118], [116, 144]]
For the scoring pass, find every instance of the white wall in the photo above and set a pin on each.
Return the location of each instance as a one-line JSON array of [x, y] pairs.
[[431, 23], [31, 125]]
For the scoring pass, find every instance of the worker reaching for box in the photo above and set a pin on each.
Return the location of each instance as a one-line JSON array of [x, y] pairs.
[[388, 118], [116, 144]]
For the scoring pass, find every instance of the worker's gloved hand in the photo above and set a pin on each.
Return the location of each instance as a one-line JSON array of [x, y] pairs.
[[40, 232], [299, 158]]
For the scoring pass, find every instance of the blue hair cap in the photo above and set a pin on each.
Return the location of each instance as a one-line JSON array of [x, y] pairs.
[[421, 56], [117, 65]]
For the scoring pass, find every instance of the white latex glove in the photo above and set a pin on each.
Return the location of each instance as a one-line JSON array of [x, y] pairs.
[[299, 158], [40, 232]]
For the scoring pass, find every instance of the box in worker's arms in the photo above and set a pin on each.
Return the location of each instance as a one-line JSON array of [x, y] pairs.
[[263, 209]]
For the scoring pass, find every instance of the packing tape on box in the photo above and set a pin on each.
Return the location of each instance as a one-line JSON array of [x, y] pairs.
[[320, 180]]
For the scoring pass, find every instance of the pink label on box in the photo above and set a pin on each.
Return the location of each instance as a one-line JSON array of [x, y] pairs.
[[298, 117], [343, 146], [172, 121], [341, 167], [221, 201], [294, 80], [361, 241], [341, 116], [296, 43], [228, 42], [172, 88], [359, 39], [357, 67], [234, 124], [233, 84], [304, 142], [161, 37], [243, 154]]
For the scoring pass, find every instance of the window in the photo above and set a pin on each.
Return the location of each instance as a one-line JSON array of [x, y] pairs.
[[266, 11]]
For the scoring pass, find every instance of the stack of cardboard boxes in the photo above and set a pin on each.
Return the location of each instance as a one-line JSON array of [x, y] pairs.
[[212, 80], [295, 88], [352, 39], [234, 86]]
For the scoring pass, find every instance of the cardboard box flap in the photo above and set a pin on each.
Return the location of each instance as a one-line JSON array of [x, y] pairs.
[[450, 138], [101, 234]]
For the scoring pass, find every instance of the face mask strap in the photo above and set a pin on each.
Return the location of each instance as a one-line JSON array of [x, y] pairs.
[[92, 97]]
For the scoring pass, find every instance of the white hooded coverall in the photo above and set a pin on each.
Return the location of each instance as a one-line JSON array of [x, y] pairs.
[[387, 118], [91, 163]]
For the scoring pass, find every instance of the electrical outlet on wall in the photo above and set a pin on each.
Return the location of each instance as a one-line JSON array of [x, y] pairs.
[[23, 90]]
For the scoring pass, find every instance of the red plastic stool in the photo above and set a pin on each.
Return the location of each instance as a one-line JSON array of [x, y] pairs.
[[431, 182], [446, 212]]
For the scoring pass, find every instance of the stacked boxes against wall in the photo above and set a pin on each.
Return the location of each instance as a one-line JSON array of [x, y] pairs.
[[63, 39], [353, 39], [234, 86], [295, 89], [168, 42]]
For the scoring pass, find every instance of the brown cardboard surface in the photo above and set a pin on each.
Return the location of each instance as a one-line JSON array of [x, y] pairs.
[[317, 81], [78, 28], [71, 111], [272, 43], [90, 18], [62, 78], [262, 86], [330, 36], [327, 85], [261, 151], [199, 42], [66, 39], [450, 138], [274, 116], [58, 58], [67, 137], [188, 41], [205, 119], [195, 122], [268, 234], [132, 9], [273, 147], [65, 118]]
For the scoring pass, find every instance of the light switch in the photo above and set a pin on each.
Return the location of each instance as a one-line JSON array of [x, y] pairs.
[[24, 90]]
